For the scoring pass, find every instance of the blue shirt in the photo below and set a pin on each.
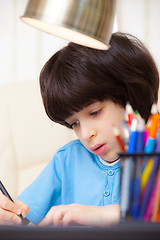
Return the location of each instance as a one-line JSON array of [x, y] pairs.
[[74, 175]]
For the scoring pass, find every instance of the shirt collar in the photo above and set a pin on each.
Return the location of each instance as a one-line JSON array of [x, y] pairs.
[[107, 163]]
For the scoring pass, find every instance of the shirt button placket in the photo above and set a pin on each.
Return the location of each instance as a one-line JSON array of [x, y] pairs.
[[107, 193], [110, 172]]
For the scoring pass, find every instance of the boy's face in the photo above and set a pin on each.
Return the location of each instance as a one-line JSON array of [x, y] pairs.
[[94, 127]]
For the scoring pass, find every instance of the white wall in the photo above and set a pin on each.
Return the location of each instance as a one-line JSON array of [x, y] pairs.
[[24, 50], [142, 19]]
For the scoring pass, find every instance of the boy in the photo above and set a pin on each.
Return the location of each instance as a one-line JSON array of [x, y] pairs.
[[87, 89]]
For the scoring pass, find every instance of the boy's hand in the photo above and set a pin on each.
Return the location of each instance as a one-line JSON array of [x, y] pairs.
[[9, 210], [75, 214]]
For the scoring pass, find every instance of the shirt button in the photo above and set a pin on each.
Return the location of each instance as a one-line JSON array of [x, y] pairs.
[[106, 193], [110, 172]]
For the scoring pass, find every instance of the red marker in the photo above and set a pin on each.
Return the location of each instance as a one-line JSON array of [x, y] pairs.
[[130, 113]]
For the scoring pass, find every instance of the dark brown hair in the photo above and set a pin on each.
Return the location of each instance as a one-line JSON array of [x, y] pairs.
[[77, 76]]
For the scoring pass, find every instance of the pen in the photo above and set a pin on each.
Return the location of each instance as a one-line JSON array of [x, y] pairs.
[[146, 173], [153, 125], [158, 217], [25, 221], [136, 185], [156, 199], [130, 113], [133, 136], [150, 204], [145, 136], [152, 128], [150, 180], [128, 172], [153, 122]]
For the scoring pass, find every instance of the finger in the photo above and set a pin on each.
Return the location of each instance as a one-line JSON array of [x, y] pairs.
[[8, 205], [24, 208], [53, 217], [9, 217], [58, 215], [68, 219], [48, 220], [64, 215]]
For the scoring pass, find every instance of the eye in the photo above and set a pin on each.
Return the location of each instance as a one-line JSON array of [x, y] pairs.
[[95, 112], [74, 124]]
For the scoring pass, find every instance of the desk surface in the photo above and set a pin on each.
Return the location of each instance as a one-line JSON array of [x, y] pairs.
[[123, 231]]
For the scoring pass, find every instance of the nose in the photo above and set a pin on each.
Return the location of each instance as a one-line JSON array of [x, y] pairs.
[[88, 132]]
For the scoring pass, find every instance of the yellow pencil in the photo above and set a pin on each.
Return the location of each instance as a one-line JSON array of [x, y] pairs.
[[146, 173]]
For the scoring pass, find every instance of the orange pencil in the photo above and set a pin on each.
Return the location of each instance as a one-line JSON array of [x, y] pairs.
[[158, 217], [153, 122]]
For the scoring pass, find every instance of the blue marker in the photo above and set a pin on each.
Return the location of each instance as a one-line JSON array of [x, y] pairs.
[[153, 129], [133, 136], [137, 180]]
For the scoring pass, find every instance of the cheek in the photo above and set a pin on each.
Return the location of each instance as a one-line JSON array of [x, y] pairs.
[[110, 138], [78, 134], [82, 140], [106, 131], [116, 121]]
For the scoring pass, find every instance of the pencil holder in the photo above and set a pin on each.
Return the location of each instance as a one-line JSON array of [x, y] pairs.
[[140, 187]]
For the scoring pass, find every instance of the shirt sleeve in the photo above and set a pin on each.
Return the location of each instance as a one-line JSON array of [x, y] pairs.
[[44, 192]]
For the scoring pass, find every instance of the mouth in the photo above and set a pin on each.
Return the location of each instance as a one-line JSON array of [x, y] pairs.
[[99, 149]]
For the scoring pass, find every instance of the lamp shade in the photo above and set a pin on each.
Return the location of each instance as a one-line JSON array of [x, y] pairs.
[[86, 22]]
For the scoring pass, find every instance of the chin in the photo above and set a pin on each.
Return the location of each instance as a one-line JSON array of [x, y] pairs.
[[110, 159]]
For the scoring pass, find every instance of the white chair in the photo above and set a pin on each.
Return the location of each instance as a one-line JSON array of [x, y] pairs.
[[28, 138]]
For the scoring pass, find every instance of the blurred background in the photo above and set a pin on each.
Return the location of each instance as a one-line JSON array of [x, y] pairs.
[[28, 138], [24, 50]]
